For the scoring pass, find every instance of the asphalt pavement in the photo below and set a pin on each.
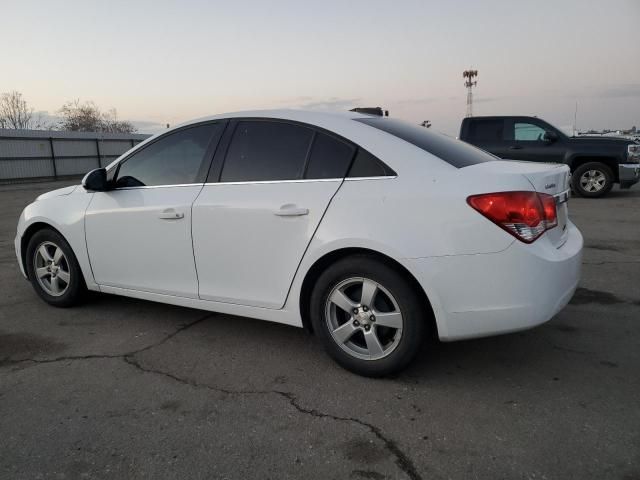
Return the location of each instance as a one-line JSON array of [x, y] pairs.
[[121, 388]]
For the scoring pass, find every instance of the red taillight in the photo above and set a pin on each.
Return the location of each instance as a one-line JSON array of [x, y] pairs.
[[525, 215]]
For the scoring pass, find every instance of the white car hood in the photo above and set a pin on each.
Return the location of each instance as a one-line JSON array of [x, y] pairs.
[[58, 192]]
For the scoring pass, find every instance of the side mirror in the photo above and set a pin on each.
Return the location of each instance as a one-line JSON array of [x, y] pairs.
[[96, 180], [549, 137]]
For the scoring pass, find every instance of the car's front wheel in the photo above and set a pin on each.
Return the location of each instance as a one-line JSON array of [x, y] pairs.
[[368, 315], [53, 269], [592, 179]]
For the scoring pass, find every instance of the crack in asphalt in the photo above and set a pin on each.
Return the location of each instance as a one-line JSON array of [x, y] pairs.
[[39, 361], [402, 461]]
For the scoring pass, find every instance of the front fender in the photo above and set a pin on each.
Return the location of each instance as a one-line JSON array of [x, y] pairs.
[[64, 213]]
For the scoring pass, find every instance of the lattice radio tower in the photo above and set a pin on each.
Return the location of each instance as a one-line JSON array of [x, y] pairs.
[[469, 82]]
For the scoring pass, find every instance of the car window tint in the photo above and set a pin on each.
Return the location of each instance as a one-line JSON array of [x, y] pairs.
[[486, 130], [527, 132], [366, 165], [330, 157], [171, 160], [266, 150], [454, 152]]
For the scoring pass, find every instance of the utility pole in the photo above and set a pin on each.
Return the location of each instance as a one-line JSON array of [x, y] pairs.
[[469, 82]]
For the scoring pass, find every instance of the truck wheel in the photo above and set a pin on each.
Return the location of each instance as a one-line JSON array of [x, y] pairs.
[[593, 179]]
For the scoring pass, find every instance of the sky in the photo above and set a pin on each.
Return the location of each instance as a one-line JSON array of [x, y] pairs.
[[160, 62]]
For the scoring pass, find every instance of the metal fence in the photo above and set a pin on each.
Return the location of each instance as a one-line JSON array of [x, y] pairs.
[[37, 154]]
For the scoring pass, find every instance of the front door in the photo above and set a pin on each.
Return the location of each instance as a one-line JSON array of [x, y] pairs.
[[139, 234], [527, 142], [252, 225]]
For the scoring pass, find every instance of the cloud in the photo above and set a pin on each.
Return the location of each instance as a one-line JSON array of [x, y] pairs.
[[417, 101], [487, 99], [332, 103], [296, 100], [617, 91]]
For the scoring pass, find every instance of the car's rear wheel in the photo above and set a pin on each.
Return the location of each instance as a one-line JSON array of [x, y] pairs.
[[368, 315], [592, 179], [53, 269]]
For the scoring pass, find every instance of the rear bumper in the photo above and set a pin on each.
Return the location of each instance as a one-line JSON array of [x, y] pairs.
[[489, 294], [629, 174]]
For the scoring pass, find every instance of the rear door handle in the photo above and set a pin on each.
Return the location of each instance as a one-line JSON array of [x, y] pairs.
[[170, 214], [515, 147], [291, 210]]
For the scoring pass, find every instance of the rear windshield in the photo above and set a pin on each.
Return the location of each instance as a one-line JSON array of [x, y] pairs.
[[454, 152]]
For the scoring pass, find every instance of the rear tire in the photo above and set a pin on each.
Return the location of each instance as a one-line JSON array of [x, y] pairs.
[[368, 316], [592, 180], [53, 269]]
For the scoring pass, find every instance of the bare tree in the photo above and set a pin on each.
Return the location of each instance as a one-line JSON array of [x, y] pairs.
[[14, 111], [87, 117], [113, 125]]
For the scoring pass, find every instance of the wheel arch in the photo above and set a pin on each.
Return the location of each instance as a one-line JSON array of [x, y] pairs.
[[322, 263]]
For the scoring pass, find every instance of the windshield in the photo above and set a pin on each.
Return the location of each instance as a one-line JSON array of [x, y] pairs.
[[454, 152]]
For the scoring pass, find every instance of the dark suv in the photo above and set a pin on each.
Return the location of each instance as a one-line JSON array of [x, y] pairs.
[[596, 162]]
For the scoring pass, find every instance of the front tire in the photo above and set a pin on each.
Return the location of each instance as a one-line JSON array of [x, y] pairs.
[[369, 317], [53, 269], [592, 180]]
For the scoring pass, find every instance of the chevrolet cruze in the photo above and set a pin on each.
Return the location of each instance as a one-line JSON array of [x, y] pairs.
[[370, 232]]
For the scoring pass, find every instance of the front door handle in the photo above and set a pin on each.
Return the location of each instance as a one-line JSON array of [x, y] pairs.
[[515, 147], [291, 210], [170, 214]]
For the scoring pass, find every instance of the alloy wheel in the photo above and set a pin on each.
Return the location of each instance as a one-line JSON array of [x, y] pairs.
[[51, 268], [593, 181], [364, 318]]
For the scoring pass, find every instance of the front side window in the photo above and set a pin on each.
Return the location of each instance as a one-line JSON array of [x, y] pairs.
[[528, 132], [172, 160], [266, 150]]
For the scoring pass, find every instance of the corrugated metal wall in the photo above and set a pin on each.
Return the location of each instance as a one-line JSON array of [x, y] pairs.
[[37, 154]]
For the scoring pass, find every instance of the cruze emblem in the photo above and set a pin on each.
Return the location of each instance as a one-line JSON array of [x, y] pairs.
[[549, 185]]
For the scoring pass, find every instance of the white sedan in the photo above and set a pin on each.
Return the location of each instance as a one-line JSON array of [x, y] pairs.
[[368, 231]]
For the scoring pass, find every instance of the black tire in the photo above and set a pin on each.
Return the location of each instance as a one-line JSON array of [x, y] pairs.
[[74, 291], [590, 192], [413, 311]]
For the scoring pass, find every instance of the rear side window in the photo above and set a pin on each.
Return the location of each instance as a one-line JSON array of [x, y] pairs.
[[330, 157], [454, 152], [266, 150], [485, 130], [176, 158], [366, 165]]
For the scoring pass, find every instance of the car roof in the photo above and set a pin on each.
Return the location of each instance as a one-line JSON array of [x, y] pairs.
[[313, 117], [392, 150]]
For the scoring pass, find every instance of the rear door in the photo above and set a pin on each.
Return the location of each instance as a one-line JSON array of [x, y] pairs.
[[270, 186], [526, 142]]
